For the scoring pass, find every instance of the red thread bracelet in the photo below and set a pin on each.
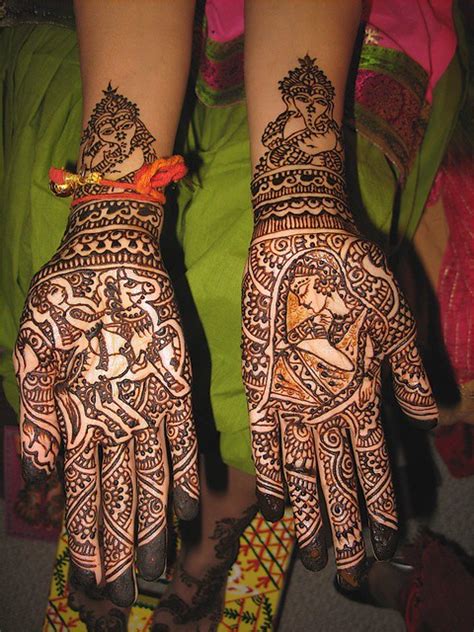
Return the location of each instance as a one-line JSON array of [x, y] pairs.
[[148, 181]]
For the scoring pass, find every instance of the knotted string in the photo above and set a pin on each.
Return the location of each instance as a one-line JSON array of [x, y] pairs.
[[148, 181]]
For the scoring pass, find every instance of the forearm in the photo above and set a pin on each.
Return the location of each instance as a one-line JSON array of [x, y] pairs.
[[143, 51], [297, 58], [134, 67]]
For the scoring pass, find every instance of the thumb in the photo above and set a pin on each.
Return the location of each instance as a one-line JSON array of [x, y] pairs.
[[411, 385], [35, 365]]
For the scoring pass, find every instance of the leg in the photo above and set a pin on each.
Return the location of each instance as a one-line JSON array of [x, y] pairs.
[[210, 546]]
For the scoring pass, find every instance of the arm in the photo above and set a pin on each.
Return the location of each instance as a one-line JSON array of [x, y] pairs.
[[100, 358], [307, 385]]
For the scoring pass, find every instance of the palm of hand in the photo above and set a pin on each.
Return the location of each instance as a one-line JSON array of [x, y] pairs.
[[320, 312], [103, 370]]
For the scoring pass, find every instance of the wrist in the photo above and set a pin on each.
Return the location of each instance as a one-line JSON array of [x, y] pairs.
[[300, 196], [100, 216]]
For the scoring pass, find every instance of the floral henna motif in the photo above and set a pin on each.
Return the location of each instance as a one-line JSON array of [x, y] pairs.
[[103, 371], [320, 312]]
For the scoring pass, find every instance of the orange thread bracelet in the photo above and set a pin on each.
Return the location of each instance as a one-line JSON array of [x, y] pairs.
[[148, 181]]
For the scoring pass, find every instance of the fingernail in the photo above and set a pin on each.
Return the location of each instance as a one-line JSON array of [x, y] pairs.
[[272, 508], [186, 508], [314, 557], [122, 591], [384, 540], [151, 557]]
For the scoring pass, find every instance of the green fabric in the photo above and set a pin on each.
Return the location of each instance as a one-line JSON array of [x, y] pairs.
[[215, 226], [41, 97], [376, 179]]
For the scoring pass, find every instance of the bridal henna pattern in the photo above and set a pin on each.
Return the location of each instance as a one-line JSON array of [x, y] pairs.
[[303, 169], [103, 371], [320, 312]]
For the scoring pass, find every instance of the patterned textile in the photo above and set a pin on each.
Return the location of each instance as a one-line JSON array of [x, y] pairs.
[[253, 592], [398, 68], [439, 595], [35, 12], [456, 283], [389, 104]]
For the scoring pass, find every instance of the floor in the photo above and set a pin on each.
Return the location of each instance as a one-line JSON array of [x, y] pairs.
[[311, 602]]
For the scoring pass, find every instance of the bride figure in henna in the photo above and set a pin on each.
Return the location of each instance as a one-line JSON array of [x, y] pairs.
[[320, 312]]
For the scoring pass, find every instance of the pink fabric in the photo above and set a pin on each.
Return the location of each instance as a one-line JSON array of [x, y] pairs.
[[423, 29], [225, 19], [456, 280]]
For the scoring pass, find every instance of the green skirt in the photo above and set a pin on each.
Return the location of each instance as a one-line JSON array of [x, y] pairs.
[[212, 219]]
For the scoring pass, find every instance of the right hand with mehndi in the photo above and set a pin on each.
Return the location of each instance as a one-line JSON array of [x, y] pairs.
[[102, 364], [321, 311]]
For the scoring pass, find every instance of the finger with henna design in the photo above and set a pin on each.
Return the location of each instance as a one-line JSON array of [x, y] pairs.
[[299, 455], [270, 488], [152, 487], [36, 367]]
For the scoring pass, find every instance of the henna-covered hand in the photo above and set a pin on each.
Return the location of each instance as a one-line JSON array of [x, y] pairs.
[[321, 310], [103, 371]]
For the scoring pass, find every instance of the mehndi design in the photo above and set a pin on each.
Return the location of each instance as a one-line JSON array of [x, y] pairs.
[[104, 372], [321, 310]]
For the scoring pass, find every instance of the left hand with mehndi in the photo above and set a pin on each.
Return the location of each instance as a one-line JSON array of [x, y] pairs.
[[101, 360], [321, 310]]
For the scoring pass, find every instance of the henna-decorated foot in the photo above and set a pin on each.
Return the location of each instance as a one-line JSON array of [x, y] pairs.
[[96, 612], [194, 599], [191, 602]]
